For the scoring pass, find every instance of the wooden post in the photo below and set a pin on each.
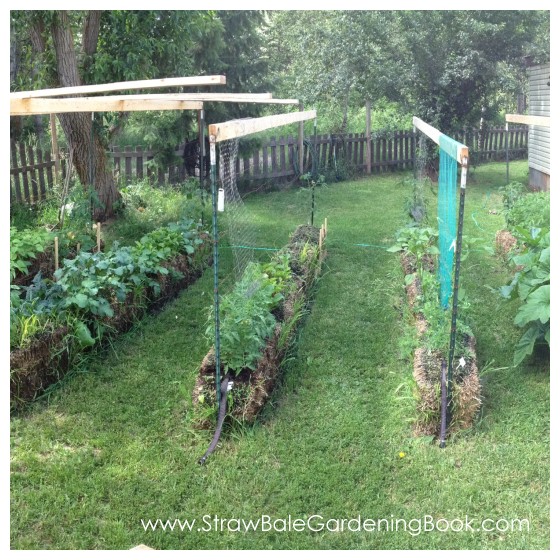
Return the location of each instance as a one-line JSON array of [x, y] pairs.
[[300, 142], [78, 246], [54, 147], [326, 231], [368, 136], [56, 253], [98, 236]]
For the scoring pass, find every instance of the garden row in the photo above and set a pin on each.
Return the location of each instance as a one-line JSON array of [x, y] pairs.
[[525, 247], [258, 321], [431, 334], [93, 297]]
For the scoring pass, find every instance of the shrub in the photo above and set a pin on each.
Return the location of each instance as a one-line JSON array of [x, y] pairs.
[[531, 210], [24, 246], [532, 286]]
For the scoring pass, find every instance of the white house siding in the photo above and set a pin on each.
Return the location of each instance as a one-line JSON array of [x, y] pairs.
[[539, 136]]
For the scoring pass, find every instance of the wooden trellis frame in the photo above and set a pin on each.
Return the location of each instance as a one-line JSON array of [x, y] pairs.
[[221, 132]]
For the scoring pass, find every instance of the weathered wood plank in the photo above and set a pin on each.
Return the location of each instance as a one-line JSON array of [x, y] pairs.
[[242, 127], [119, 86], [15, 174], [39, 106]]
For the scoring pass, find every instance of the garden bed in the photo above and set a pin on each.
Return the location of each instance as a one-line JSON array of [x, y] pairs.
[[48, 356], [252, 387], [466, 389]]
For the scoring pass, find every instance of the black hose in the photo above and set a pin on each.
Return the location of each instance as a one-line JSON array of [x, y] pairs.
[[221, 415]]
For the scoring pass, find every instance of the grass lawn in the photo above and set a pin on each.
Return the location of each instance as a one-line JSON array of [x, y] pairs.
[[114, 444]]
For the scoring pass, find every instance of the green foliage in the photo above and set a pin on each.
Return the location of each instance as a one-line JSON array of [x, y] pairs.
[[529, 211], [419, 242], [331, 437], [246, 319], [532, 286], [416, 202], [24, 247], [447, 67], [511, 193], [147, 207], [86, 289]]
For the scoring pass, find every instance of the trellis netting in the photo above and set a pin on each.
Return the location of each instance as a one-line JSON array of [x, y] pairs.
[[242, 234], [447, 215]]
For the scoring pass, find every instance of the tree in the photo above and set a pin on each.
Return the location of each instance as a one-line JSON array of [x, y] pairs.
[[445, 66], [84, 47]]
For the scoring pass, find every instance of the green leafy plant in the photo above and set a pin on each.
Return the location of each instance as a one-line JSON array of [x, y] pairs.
[[415, 204], [246, 319], [418, 242], [531, 285], [24, 247], [531, 210], [511, 193]]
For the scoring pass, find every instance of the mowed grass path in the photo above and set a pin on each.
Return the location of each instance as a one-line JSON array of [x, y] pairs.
[[114, 444]]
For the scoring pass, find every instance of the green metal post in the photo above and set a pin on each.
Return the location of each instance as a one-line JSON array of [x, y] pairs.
[[507, 153], [316, 173], [312, 200], [216, 262], [414, 173]]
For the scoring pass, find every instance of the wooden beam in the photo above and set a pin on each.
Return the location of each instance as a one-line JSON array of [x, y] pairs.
[[208, 97], [94, 104], [434, 135], [215, 97], [117, 86], [242, 127], [249, 97], [54, 147], [528, 119]]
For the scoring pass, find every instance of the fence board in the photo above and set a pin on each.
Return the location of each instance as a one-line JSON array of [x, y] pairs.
[[41, 171], [15, 173], [32, 176], [139, 163], [23, 162]]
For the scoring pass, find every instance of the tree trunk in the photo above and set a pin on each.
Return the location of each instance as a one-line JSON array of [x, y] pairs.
[[91, 162], [88, 150]]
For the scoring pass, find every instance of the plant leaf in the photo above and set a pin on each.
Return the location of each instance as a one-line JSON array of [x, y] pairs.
[[526, 344]]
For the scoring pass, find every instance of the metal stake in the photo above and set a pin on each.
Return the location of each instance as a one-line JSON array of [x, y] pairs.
[[215, 264]]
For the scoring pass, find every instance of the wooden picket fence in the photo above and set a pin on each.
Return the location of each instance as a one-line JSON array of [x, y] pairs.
[[32, 172]]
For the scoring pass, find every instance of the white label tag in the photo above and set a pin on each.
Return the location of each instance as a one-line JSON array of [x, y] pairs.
[[212, 154], [230, 385], [221, 200], [462, 362]]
